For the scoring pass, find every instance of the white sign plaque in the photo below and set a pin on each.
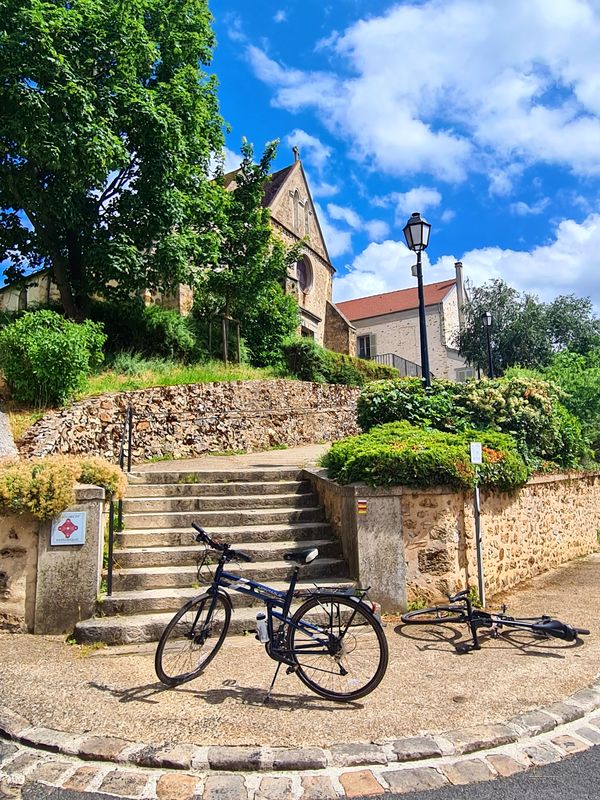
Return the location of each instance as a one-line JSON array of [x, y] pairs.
[[476, 453], [68, 528]]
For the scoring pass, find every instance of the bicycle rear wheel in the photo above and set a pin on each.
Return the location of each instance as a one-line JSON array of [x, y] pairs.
[[435, 615], [192, 638], [338, 646]]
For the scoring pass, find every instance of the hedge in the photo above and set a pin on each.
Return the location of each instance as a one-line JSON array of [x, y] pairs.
[[45, 487], [400, 454], [529, 410], [308, 361]]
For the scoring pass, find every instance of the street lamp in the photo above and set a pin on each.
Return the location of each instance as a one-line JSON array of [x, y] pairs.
[[487, 323], [416, 232]]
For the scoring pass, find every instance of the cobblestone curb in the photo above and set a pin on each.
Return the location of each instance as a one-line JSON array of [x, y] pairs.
[[21, 765], [428, 747]]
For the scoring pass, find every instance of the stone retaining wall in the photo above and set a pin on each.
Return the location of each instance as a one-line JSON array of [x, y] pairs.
[[188, 421], [419, 543]]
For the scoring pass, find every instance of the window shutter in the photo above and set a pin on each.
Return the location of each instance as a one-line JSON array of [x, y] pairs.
[[373, 343]]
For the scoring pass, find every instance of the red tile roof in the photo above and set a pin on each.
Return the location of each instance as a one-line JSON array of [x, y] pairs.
[[391, 302]]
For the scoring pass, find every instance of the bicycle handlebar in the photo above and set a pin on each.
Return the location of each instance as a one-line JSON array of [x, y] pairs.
[[222, 547]]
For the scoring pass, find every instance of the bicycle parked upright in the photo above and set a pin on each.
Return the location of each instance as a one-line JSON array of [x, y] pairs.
[[333, 642]]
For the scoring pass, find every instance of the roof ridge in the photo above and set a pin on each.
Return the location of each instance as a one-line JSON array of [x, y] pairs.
[[396, 291]]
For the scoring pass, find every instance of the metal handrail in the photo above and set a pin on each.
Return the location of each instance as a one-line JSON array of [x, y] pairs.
[[126, 436]]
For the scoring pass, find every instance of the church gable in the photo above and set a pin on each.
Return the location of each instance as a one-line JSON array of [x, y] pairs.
[[291, 205]]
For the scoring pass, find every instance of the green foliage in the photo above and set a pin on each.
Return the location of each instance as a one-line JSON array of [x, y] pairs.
[[107, 128], [151, 331], [269, 321], [46, 358], [525, 331], [308, 361], [526, 408], [45, 487], [400, 454]]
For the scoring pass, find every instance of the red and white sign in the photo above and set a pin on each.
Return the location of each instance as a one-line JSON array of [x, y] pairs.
[[68, 528]]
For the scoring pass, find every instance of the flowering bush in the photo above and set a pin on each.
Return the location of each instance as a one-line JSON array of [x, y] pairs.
[[45, 487], [528, 409]]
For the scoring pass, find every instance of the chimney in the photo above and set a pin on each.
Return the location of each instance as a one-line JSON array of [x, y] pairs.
[[460, 293]]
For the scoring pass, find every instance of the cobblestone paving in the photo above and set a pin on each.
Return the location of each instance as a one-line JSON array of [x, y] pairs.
[[109, 766]]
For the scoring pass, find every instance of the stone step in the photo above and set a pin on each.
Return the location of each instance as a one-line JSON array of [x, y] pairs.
[[132, 558], [139, 628], [209, 519], [293, 532], [140, 578], [221, 503], [214, 489], [154, 601], [215, 476]]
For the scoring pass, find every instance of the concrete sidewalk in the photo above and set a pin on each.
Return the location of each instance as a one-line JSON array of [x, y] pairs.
[[304, 456]]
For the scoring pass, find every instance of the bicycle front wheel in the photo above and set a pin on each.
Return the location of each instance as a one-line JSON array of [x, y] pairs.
[[192, 638], [435, 615], [338, 646]]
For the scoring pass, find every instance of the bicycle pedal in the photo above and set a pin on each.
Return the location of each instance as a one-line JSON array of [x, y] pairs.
[[290, 670]]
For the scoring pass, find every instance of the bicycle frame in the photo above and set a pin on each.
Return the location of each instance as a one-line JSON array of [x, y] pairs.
[[273, 599]]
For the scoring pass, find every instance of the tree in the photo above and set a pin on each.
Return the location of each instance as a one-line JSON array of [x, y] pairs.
[[253, 265], [107, 128], [525, 331]]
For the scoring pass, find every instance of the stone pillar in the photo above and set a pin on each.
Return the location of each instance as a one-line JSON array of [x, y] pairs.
[[68, 576]]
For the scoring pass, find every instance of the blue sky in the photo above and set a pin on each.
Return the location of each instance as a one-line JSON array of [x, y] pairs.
[[484, 115]]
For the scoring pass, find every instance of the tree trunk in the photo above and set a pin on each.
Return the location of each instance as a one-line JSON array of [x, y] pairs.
[[60, 274]]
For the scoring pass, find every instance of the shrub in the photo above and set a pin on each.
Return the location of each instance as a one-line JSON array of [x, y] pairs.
[[149, 330], [526, 408], [308, 361], [45, 487], [400, 454], [46, 358]]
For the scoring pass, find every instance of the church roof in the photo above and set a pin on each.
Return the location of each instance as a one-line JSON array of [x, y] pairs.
[[391, 302], [272, 185]]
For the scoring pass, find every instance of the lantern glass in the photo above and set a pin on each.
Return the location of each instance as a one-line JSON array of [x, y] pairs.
[[416, 232], [487, 319]]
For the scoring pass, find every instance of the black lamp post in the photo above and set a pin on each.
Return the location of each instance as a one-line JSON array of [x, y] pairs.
[[416, 232], [487, 323]]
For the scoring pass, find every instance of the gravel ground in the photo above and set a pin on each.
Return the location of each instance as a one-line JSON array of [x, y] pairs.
[[428, 687]]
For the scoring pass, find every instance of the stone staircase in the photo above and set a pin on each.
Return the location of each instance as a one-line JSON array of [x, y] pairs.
[[264, 512]]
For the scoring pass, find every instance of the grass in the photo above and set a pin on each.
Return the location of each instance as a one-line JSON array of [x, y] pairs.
[[128, 372]]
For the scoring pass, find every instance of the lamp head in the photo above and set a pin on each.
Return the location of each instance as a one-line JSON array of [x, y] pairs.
[[416, 232]]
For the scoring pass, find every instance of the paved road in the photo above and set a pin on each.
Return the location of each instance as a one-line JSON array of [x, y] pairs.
[[574, 778]]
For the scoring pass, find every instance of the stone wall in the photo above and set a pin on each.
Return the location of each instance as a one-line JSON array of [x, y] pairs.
[[340, 335], [549, 521], [187, 421], [47, 588]]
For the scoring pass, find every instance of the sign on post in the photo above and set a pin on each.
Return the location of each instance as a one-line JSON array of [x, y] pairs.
[[477, 458], [68, 528]]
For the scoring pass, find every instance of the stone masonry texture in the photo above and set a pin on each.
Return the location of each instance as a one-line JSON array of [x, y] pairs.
[[188, 421]]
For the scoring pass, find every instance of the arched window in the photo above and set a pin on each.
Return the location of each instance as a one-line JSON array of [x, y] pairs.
[[304, 274]]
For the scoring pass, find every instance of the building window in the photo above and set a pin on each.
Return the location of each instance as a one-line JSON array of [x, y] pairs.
[[296, 202], [466, 374], [23, 299], [304, 274], [365, 346], [304, 331]]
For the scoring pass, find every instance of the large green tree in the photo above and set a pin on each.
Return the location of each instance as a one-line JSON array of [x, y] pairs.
[[107, 127], [253, 264], [525, 331]]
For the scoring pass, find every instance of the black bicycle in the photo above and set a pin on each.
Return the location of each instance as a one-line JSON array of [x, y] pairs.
[[460, 609], [333, 642]]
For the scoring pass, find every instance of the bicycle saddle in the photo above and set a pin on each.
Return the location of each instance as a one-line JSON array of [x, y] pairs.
[[302, 556]]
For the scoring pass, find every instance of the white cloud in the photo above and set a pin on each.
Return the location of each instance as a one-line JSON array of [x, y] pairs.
[[312, 149], [349, 216], [518, 85], [232, 160], [338, 242], [377, 230], [448, 215], [280, 16], [570, 263], [418, 199], [323, 189], [523, 209]]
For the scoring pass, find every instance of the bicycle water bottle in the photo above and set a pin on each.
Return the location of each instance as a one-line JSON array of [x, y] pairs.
[[262, 629]]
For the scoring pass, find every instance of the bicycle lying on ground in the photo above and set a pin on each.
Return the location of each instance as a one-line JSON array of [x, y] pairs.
[[333, 642], [460, 609]]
